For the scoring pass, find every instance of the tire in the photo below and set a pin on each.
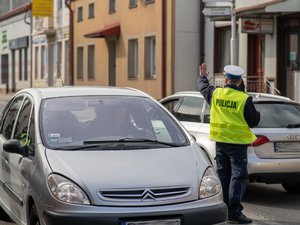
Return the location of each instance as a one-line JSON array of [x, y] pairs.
[[34, 216], [292, 188]]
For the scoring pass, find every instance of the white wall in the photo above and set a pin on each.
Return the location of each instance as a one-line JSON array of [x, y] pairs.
[[187, 44], [16, 28]]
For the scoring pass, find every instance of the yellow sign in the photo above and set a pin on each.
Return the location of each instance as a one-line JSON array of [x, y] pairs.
[[42, 8]]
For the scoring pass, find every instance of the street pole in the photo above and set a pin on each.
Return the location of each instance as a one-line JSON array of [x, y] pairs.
[[233, 42]]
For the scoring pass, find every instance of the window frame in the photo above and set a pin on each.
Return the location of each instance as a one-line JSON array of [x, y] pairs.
[[150, 57], [133, 58], [91, 11], [79, 62], [79, 13], [93, 60]]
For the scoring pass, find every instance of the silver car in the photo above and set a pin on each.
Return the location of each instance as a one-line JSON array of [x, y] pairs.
[[96, 155], [274, 157]]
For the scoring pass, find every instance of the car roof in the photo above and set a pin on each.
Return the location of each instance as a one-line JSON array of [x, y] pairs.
[[255, 95], [66, 91]]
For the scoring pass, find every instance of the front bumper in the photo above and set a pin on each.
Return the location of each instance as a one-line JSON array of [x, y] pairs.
[[188, 213]]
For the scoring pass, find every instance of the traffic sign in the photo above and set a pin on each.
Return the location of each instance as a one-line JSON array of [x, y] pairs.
[[217, 11]]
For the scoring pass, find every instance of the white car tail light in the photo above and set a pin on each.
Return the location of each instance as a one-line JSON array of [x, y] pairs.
[[261, 139]]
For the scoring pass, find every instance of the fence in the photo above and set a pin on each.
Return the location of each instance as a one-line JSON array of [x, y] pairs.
[[252, 84]]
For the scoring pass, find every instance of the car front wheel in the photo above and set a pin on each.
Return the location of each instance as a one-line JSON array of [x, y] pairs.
[[292, 188], [34, 217]]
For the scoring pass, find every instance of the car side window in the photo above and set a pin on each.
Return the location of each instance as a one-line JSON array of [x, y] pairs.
[[190, 109], [24, 131], [171, 105], [10, 117]]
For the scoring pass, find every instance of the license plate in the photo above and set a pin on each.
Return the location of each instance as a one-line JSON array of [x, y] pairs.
[[154, 222], [287, 147]]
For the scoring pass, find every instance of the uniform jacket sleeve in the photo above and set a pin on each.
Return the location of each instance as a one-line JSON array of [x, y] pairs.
[[205, 88], [252, 116]]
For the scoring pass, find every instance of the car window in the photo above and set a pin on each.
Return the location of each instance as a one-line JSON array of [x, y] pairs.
[[24, 131], [171, 105], [190, 109], [277, 115], [10, 117], [70, 120]]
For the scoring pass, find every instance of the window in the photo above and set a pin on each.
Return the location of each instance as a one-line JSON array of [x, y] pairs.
[[67, 61], [43, 53], [112, 6], [277, 115], [59, 4], [20, 64], [10, 117], [222, 48], [133, 58], [25, 64], [59, 51], [91, 10], [80, 63], [132, 3], [36, 65], [79, 14], [91, 62], [4, 68], [149, 1], [24, 130], [150, 57], [186, 109]]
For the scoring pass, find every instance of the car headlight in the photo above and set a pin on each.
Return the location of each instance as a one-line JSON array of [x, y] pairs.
[[66, 191], [210, 184]]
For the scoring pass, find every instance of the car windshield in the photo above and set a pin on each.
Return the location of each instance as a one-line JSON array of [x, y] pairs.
[[278, 115], [71, 122]]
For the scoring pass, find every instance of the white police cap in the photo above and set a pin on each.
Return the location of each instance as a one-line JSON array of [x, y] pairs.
[[233, 72]]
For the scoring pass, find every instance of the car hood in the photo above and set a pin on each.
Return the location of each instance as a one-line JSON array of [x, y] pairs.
[[95, 171]]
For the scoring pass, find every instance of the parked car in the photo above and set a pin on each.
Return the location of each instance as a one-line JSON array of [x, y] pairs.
[[275, 155], [96, 155]]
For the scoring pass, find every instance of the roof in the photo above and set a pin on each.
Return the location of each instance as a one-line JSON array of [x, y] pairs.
[[256, 96], [108, 30], [53, 92]]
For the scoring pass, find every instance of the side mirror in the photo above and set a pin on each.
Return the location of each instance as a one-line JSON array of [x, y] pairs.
[[13, 146]]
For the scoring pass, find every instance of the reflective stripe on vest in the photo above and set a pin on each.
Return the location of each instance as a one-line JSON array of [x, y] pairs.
[[227, 122]]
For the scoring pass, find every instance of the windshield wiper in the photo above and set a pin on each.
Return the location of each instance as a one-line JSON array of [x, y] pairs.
[[113, 143], [129, 140], [149, 140], [293, 125]]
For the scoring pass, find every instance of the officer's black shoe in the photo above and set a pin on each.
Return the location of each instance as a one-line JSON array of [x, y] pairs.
[[241, 219]]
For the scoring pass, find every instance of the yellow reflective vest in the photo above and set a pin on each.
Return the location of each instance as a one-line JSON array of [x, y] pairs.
[[227, 122]]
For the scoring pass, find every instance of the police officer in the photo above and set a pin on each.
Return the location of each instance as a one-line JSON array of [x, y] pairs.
[[232, 114]]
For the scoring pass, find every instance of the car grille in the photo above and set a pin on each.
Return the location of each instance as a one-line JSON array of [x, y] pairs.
[[145, 194]]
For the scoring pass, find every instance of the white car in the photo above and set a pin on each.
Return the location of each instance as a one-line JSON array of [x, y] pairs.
[[274, 157]]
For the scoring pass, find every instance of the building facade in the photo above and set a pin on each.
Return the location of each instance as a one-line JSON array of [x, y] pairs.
[[136, 43], [15, 45], [50, 48], [268, 45]]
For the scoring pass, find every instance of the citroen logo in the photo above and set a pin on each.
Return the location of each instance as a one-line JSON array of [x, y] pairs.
[[148, 194]]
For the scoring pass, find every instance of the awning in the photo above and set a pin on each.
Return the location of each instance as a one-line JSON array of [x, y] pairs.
[[109, 30], [267, 9], [271, 7]]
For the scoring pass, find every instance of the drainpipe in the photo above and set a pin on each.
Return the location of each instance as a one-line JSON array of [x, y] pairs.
[[201, 35], [71, 39], [164, 50]]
